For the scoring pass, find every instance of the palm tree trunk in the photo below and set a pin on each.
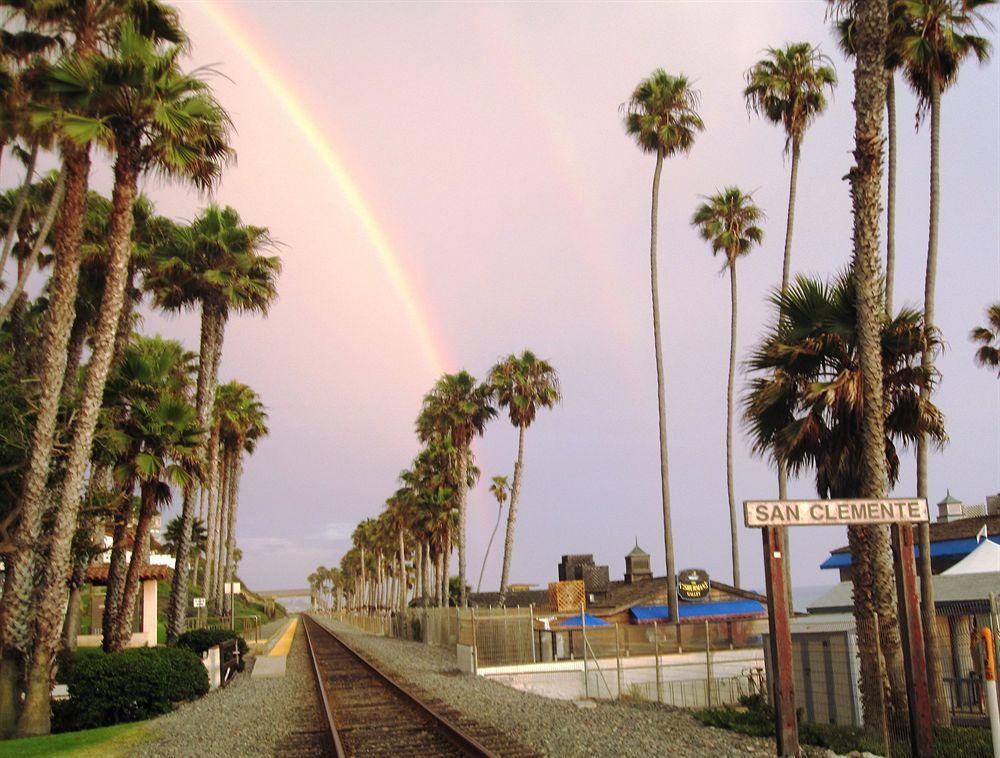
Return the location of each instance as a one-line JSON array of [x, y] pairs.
[[52, 590], [784, 538], [74, 354], [873, 577], [733, 532], [446, 566], [402, 572], [463, 498], [890, 199], [122, 632], [489, 546], [214, 474], [116, 571], [25, 269], [234, 501], [661, 396], [222, 519], [177, 611], [515, 498], [22, 200], [928, 613], [17, 604], [90, 533]]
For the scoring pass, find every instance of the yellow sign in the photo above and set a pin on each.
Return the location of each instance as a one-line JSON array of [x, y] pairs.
[[761, 513]]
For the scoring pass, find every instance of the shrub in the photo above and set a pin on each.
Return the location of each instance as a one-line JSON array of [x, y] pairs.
[[134, 684], [200, 640]]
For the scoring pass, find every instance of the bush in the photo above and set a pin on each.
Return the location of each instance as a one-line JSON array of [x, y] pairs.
[[758, 720], [134, 684], [200, 640]]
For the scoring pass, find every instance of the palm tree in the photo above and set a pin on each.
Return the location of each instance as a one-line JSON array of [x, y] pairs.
[[457, 408], [499, 488], [805, 407], [243, 425], [216, 264], [728, 220], [521, 384], [662, 117], [988, 338], [152, 371], [788, 87], [156, 117], [939, 36]]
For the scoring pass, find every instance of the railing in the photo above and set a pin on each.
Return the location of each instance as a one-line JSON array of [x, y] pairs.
[[248, 627]]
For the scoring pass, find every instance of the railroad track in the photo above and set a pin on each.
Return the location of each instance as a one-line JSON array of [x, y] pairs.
[[368, 713]]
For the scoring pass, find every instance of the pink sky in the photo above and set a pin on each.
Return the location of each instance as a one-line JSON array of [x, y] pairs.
[[488, 143]]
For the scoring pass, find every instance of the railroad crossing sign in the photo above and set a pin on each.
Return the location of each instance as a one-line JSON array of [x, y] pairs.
[[900, 515], [199, 602]]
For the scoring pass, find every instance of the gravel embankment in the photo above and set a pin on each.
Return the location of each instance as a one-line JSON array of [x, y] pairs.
[[554, 727], [247, 716]]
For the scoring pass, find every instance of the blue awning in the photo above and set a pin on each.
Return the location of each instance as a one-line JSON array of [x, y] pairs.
[[578, 621], [647, 614], [940, 549]]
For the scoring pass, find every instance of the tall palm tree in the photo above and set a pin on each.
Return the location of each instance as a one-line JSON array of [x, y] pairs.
[[155, 117], [988, 338], [457, 408], [151, 370], [788, 87], [243, 425], [729, 222], [938, 37], [874, 582], [499, 488], [521, 384], [216, 264], [662, 117], [805, 407]]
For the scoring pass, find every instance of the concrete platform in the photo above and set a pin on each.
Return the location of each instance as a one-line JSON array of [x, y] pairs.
[[272, 664], [269, 667]]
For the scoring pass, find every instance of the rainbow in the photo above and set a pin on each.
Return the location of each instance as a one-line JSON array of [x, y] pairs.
[[311, 131]]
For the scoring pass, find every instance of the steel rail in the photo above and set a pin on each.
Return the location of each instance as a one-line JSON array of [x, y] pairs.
[[338, 745], [464, 742]]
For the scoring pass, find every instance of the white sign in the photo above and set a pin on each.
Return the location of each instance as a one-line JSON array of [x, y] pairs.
[[760, 513], [199, 602], [234, 588]]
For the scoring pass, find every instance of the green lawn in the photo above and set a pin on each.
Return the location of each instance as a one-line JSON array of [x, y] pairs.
[[107, 741]]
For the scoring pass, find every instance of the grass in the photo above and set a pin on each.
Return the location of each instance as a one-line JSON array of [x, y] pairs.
[[756, 719], [119, 740]]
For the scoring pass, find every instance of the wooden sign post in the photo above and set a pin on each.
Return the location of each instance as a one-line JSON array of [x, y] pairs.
[[900, 514]]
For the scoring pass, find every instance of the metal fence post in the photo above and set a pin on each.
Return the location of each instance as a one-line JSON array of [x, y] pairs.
[[586, 678], [618, 661], [656, 654], [708, 666], [475, 644], [531, 631]]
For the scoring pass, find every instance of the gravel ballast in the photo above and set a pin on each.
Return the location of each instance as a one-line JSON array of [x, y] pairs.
[[247, 716], [552, 727]]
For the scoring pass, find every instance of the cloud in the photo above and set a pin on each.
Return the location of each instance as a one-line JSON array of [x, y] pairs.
[[335, 531]]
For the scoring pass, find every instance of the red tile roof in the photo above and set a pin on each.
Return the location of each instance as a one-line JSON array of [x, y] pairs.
[[98, 573]]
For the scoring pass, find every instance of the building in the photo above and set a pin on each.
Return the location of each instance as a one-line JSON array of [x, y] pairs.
[[953, 535], [640, 598]]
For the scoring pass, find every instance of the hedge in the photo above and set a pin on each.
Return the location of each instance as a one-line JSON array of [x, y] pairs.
[[200, 640], [132, 685]]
